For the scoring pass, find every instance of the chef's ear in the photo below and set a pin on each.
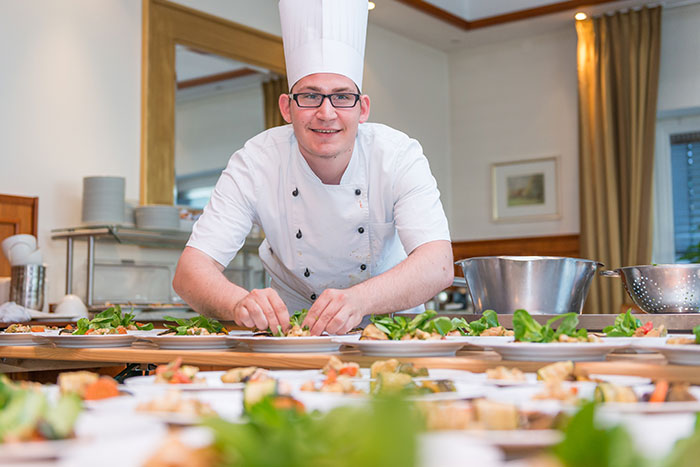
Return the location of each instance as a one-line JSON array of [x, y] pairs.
[[364, 108], [285, 101]]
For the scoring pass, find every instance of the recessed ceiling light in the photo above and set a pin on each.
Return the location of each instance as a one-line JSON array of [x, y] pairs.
[[580, 16], [371, 5]]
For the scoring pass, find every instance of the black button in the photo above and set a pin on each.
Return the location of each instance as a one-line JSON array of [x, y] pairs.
[[295, 192], [358, 192], [299, 234], [363, 266], [361, 230], [307, 273], [313, 296]]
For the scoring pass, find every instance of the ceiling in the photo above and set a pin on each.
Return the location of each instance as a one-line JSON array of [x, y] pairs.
[[404, 18]]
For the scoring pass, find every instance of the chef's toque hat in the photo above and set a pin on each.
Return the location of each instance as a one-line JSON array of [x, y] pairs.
[[324, 36]]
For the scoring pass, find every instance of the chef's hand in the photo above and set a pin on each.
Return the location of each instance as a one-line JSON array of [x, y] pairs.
[[335, 311], [262, 309]]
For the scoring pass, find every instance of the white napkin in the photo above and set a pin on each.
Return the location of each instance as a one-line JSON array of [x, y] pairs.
[[10, 312]]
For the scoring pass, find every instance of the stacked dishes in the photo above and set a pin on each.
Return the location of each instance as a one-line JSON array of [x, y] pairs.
[[155, 216], [103, 200]]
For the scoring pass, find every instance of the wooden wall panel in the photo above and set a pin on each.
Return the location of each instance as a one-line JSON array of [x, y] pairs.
[[18, 215], [554, 245]]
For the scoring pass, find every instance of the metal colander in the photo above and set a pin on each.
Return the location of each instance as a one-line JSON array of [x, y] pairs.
[[662, 288]]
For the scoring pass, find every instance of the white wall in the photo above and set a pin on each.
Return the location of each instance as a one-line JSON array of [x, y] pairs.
[[512, 100], [408, 86], [679, 76], [70, 93]]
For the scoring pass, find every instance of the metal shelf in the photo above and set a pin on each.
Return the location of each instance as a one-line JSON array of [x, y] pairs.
[[126, 235]]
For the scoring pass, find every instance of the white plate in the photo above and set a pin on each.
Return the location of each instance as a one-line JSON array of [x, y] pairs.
[[212, 380], [523, 398], [35, 450], [413, 348], [17, 338], [519, 439], [552, 352], [482, 341], [319, 344], [191, 342], [83, 341], [687, 354], [227, 404]]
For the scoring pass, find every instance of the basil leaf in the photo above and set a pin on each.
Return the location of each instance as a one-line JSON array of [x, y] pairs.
[[526, 329]]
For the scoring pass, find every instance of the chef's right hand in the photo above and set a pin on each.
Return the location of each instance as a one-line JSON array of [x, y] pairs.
[[262, 309]]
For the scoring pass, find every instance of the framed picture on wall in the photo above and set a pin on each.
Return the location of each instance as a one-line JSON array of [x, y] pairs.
[[525, 190]]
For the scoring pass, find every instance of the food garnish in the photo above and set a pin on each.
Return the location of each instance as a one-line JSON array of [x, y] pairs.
[[174, 402], [25, 328], [177, 373], [350, 369], [245, 374], [109, 321], [422, 327], [528, 330], [87, 385], [505, 374], [487, 325], [29, 414], [296, 329], [626, 325], [197, 326]]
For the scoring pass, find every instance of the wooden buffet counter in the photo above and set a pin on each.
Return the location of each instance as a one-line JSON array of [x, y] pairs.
[[19, 358]]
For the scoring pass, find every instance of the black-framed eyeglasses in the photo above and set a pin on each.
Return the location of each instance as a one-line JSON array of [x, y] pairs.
[[339, 100]]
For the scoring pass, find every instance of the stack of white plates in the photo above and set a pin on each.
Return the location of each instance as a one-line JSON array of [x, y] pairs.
[[156, 216], [103, 200]]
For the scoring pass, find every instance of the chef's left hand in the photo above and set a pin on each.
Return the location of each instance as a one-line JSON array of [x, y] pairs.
[[335, 311]]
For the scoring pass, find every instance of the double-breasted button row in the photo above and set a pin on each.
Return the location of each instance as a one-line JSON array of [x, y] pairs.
[[307, 273], [313, 296], [361, 230], [295, 192], [299, 233]]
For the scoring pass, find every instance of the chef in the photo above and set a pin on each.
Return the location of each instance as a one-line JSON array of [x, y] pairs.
[[351, 212]]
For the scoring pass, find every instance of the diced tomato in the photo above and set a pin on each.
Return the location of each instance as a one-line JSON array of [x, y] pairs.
[[331, 377], [38, 328], [349, 371], [103, 388], [121, 330], [68, 327], [180, 378], [648, 326], [89, 331]]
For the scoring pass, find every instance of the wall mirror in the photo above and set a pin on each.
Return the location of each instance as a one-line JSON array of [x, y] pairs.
[[202, 97]]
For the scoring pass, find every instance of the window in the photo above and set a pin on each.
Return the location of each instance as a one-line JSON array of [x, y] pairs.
[[685, 170], [672, 195]]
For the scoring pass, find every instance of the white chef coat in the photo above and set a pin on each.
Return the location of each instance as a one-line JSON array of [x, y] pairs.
[[322, 236]]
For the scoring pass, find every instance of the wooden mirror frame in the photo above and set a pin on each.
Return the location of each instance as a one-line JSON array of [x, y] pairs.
[[164, 25]]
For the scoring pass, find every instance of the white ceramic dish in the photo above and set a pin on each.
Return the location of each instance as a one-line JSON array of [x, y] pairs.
[[518, 439], [523, 397], [212, 380], [687, 354], [552, 352], [19, 338], [83, 341], [190, 342], [412, 348], [318, 344]]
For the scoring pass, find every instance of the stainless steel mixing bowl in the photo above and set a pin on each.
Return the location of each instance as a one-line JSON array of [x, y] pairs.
[[538, 284], [662, 288]]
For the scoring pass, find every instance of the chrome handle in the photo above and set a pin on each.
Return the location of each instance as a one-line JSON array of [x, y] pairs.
[[610, 273], [459, 282]]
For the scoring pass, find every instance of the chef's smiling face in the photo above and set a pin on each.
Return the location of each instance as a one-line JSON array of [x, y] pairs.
[[324, 132]]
